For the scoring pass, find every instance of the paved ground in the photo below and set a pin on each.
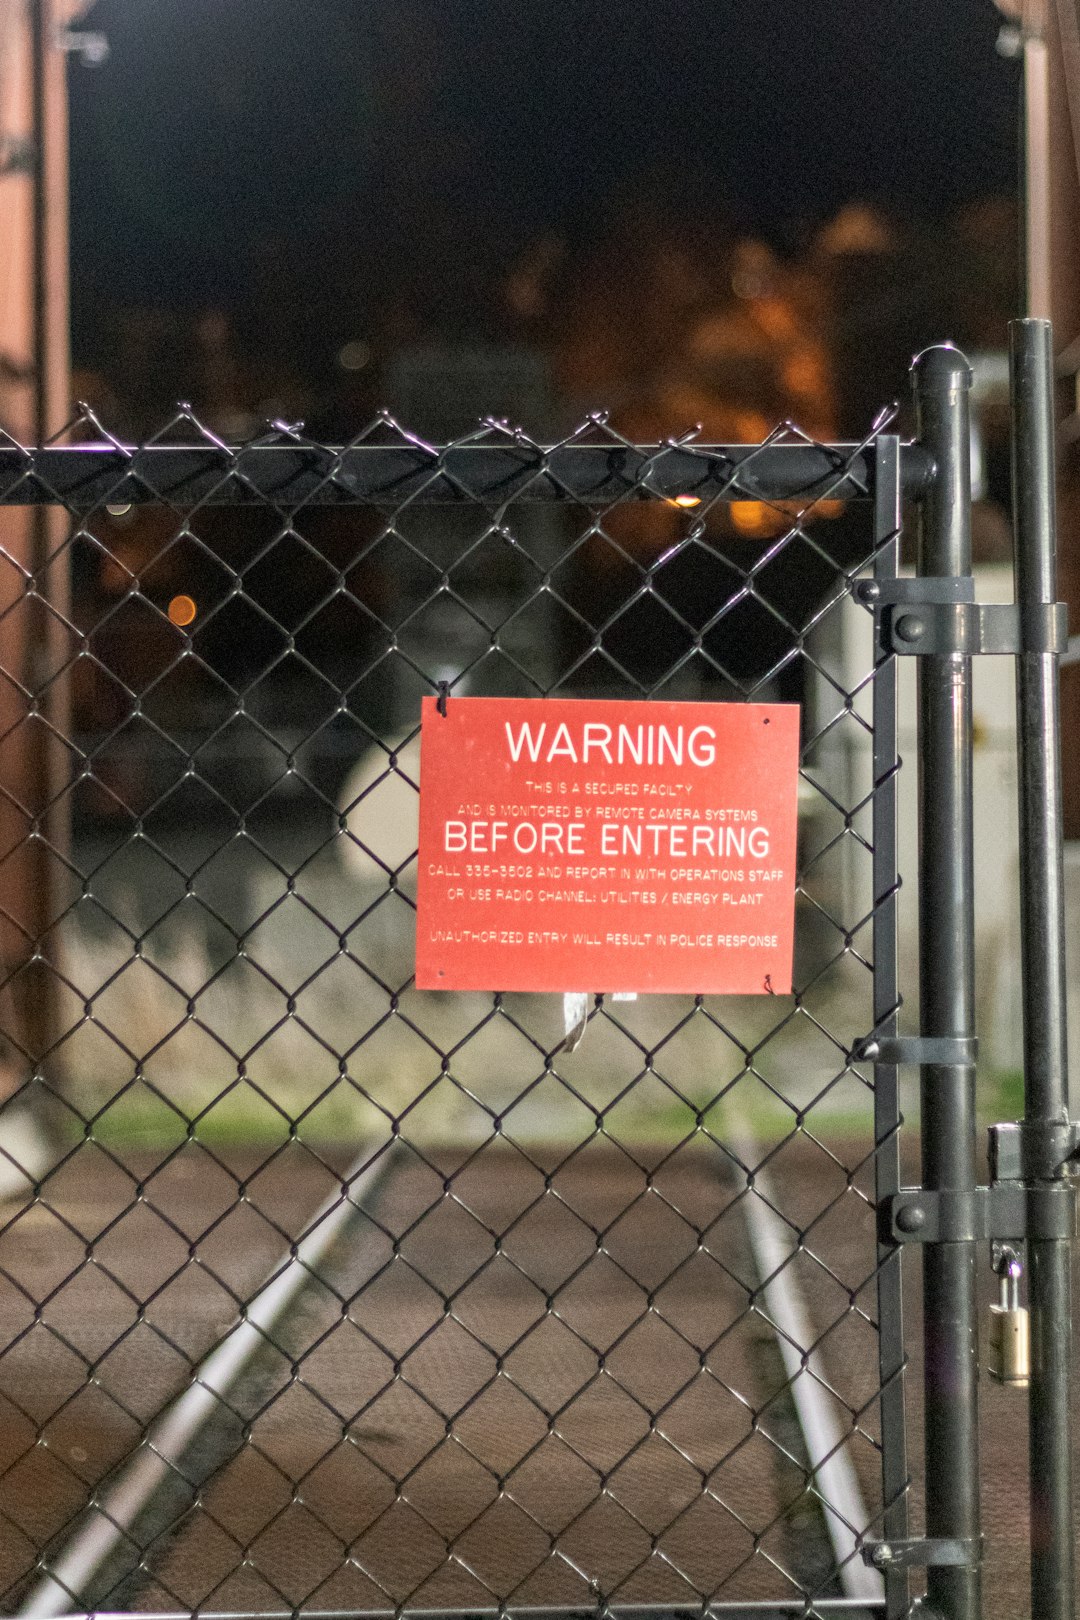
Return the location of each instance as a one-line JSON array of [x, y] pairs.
[[426, 1429], [1003, 1412]]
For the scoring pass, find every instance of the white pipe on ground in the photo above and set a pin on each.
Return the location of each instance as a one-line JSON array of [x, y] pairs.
[[824, 1436], [113, 1513]]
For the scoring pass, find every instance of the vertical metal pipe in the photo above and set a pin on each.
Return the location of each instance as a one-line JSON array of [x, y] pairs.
[[47, 763], [1035, 175], [942, 381], [40, 1002], [39, 44], [1042, 936], [891, 1347]]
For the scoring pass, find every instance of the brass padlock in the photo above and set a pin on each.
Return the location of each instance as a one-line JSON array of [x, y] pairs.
[[1009, 1352]]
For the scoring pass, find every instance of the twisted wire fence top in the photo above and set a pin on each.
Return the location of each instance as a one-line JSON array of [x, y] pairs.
[[187, 464], [536, 1368]]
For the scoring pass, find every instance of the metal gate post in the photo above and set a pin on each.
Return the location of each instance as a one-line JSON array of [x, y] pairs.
[[942, 380], [1042, 913]]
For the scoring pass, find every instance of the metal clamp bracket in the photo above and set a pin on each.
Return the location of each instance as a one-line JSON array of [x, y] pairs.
[[971, 628], [963, 1552], [915, 590], [916, 1049], [1005, 1211], [1034, 1149], [925, 616]]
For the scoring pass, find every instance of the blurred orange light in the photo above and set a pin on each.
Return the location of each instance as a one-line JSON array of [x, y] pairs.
[[804, 373], [750, 517], [686, 500], [182, 611]]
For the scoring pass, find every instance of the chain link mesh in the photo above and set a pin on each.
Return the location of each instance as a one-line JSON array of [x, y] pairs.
[[492, 1326]]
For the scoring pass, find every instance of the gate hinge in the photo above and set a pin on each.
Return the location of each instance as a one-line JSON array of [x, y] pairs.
[[929, 615], [923, 1552], [1006, 1211], [915, 1049]]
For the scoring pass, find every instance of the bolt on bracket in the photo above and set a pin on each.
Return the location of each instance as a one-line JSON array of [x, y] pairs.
[[936, 616]]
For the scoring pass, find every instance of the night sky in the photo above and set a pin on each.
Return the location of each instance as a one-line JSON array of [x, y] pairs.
[[345, 154]]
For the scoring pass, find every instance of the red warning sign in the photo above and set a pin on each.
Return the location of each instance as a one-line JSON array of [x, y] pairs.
[[567, 844]]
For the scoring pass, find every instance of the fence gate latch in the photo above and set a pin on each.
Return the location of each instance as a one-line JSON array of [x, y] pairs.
[[1006, 1212], [962, 1552], [1034, 1149], [923, 615]]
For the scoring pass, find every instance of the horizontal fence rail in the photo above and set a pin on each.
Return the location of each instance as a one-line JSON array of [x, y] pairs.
[[291, 473]]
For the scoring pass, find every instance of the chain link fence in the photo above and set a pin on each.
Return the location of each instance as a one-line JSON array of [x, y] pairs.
[[324, 1293]]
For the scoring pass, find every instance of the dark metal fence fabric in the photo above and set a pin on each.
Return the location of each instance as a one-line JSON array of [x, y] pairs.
[[323, 1293]]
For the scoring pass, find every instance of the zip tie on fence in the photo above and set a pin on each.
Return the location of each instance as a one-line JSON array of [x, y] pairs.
[[575, 1007]]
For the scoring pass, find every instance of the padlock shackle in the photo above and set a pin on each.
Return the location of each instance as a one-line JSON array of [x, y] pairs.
[[1009, 1268], [1006, 1261]]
